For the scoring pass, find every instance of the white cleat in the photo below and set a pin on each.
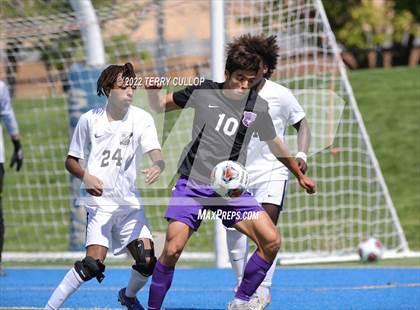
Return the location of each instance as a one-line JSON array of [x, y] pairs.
[[239, 304], [260, 302]]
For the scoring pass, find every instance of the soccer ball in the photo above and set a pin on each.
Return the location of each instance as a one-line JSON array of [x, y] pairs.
[[229, 179], [370, 250]]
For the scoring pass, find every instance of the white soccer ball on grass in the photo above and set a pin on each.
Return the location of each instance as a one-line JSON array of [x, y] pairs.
[[370, 250]]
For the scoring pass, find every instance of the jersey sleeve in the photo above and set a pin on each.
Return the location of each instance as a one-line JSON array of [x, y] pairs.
[[6, 111], [296, 112], [265, 127], [80, 138], [149, 138], [183, 96]]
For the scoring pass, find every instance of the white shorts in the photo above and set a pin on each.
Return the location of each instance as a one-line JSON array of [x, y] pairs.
[[116, 229], [272, 192]]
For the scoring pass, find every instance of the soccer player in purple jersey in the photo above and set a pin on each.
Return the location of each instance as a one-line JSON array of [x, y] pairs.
[[268, 177], [226, 116]]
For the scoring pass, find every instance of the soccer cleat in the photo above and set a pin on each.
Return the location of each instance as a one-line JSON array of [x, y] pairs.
[[132, 303], [238, 304], [260, 301]]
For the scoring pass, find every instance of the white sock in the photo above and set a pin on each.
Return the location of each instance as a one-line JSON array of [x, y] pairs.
[[265, 286], [238, 252], [135, 284], [70, 283]]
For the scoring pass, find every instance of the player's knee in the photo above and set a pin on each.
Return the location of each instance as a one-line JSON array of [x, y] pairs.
[[89, 268], [273, 244], [145, 258], [277, 243], [173, 251]]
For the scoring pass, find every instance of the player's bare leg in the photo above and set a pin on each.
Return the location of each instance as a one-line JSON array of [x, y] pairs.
[[263, 291], [89, 267], [142, 250], [263, 232], [177, 237], [97, 252]]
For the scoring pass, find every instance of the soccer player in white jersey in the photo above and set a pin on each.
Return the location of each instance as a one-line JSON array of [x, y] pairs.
[[117, 134], [7, 116], [268, 176]]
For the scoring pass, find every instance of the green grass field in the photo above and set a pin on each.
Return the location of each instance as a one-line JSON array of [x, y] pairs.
[[389, 101]]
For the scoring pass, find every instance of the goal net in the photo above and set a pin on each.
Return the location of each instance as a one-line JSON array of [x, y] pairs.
[[44, 61]]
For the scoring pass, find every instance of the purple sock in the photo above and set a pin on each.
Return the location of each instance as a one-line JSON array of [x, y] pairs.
[[255, 272], [161, 282]]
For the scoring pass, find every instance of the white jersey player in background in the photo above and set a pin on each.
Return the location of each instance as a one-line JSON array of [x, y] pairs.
[[9, 120], [118, 134], [268, 177]]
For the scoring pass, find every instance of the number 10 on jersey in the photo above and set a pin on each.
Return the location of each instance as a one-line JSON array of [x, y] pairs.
[[229, 127]]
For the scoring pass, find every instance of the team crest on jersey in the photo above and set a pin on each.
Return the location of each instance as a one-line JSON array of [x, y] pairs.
[[125, 138], [249, 118]]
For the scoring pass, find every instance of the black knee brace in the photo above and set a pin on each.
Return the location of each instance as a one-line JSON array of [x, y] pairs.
[[89, 268], [140, 254]]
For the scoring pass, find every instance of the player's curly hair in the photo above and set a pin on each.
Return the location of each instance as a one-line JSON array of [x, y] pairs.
[[238, 58], [265, 47], [108, 77]]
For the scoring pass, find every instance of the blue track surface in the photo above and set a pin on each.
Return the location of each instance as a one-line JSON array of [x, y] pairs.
[[300, 288]]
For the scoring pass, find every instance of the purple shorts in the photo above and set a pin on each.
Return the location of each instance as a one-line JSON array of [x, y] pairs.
[[191, 199]]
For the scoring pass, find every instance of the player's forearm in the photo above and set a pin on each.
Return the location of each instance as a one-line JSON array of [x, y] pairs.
[[303, 136], [155, 155], [291, 164], [73, 166], [155, 100], [161, 103], [282, 153], [157, 159], [11, 124]]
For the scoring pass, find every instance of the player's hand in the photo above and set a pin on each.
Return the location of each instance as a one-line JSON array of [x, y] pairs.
[[152, 84], [302, 165], [17, 157], [307, 184], [152, 174], [94, 186]]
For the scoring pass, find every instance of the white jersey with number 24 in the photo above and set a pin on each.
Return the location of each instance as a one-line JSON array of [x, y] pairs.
[[114, 151]]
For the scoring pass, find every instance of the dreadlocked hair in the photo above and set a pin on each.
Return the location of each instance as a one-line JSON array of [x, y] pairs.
[[108, 77], [265, 47]]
